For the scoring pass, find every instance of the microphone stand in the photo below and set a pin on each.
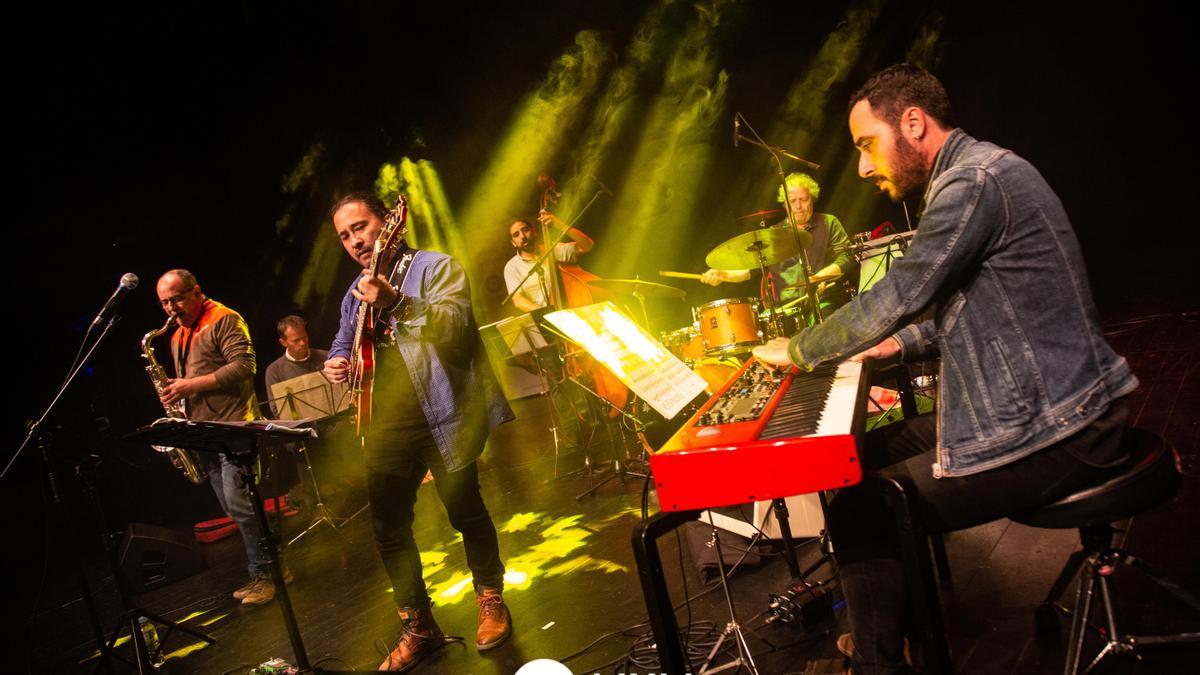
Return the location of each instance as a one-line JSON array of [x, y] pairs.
[[805, 268], [53, 484]]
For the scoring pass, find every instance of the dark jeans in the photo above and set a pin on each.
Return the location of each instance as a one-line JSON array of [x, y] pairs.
[[397, 458], [228, 482], [863, 528]]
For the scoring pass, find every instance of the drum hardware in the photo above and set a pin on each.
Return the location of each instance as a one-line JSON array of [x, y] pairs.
[[759, 248], [801, 238]]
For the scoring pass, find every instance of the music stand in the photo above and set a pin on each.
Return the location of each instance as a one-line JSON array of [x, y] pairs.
[[240, 441], [521, 336], [316, 401], [634, 356]]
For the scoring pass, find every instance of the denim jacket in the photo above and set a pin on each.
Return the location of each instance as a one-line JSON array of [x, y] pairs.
[[1024, 363], [444, 355]]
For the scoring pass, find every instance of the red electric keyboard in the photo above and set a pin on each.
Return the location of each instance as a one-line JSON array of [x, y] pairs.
[[766, 435]]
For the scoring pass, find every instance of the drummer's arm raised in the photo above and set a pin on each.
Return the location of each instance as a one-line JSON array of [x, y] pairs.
[[716, 277]]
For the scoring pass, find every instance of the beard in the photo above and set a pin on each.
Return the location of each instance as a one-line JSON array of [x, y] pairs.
[[909, 173]]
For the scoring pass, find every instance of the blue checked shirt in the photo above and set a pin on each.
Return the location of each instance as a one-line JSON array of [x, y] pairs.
[[444, 355]]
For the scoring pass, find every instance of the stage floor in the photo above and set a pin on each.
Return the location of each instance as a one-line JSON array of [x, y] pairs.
[[573, 588]]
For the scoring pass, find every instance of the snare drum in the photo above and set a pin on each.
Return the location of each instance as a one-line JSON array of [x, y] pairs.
[[729, 326], [686, 343]]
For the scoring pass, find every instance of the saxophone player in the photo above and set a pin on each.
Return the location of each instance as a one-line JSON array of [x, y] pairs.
[[214, 367]]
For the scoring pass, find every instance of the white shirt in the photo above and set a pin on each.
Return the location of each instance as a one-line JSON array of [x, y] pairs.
[[517, 267]]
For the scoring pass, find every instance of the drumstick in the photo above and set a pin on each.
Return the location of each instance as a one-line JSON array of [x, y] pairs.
[[678, 275]]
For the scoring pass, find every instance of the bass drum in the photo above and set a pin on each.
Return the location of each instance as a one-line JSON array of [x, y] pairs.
[[716, 372]]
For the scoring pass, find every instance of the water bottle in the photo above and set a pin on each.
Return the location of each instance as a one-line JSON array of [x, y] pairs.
[[150, 637]]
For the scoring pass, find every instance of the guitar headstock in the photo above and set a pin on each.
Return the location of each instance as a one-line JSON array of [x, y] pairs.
[[393, 229]]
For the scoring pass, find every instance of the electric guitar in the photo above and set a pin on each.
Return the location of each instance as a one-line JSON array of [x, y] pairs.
[[362, 351]]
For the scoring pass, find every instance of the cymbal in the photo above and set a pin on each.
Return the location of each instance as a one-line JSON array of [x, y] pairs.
[[647, 289], [776, 244], [761, 214]]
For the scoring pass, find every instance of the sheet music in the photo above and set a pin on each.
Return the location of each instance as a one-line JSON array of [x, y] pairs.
[[309, 396], [637, 358]]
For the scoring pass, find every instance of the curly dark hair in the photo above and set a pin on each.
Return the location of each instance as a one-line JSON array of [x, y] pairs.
[[374, 204], [897, 87]]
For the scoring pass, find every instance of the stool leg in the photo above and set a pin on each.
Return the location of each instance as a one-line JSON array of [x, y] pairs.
[[1079, 622], [1047, 614]]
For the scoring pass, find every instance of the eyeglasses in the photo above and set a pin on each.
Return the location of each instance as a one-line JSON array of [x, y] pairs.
[[177, 298]]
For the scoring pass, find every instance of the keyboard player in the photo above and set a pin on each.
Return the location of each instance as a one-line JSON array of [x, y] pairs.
[[1032, 397]]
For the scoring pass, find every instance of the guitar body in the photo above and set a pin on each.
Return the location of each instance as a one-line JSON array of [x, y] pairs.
[[362, 382]]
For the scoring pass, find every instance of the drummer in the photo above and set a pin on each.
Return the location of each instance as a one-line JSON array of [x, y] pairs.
[[525, 238], [829, 252]]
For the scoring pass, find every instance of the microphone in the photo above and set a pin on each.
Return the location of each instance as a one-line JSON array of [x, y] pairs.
[[737, 127], [129, 281]]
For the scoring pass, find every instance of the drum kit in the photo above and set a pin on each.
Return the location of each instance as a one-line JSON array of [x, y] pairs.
[[723, 332]]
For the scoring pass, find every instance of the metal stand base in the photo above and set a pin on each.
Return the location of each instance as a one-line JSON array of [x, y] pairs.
[[324, 515], [1097, 568], [145, 658], [732, 629]]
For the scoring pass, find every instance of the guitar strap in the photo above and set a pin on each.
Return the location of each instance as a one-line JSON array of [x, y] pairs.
[[402, 267]]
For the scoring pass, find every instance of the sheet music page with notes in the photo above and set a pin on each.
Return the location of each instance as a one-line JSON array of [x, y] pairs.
[[637, 358]]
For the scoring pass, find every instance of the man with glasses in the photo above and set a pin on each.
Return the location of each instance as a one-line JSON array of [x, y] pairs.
[[214, 367]]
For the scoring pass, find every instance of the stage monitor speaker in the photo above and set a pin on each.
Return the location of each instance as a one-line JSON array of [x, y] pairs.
[[152, 557]]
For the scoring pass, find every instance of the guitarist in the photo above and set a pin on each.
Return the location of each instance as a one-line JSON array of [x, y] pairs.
[[435, 401]]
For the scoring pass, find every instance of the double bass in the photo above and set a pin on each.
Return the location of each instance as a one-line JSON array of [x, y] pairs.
[[569, 288]]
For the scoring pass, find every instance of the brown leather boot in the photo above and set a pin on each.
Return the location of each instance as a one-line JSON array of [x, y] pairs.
[[495, 624], [421, 636]]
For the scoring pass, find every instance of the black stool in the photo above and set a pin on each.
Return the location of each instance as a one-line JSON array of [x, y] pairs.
[[1148, 478]]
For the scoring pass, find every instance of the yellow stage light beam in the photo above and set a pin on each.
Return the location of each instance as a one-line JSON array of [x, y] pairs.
[[800, 120], [614, 109], [674, 152], [537, 131]]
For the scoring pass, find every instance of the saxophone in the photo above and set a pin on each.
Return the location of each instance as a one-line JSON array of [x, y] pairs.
[[184, 460]]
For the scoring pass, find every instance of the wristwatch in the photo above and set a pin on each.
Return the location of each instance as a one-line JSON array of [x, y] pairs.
[[402, 308]]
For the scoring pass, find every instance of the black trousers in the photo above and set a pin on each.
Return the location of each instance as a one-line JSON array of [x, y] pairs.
[[863, 528], [397, 459]]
